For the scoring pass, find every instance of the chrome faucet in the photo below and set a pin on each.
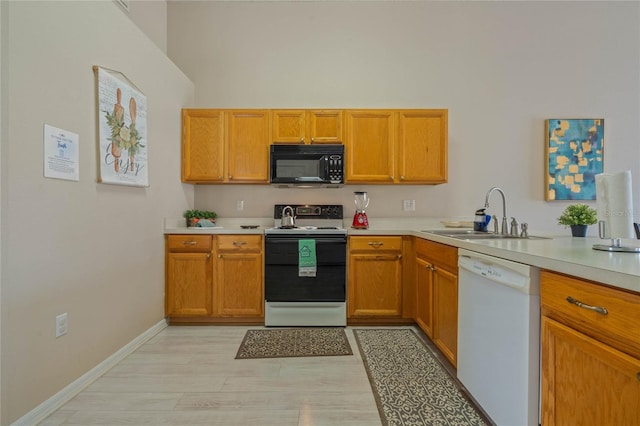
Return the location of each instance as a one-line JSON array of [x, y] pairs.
[[504, 230]]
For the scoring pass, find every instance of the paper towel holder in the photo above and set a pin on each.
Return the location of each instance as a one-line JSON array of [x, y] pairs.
[[616, 243]]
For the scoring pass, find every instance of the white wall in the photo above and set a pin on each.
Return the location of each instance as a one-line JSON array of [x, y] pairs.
[[92, 250], [501, 68], [151, 17]]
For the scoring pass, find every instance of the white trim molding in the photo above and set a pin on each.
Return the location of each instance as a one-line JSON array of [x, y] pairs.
[[49, 406]]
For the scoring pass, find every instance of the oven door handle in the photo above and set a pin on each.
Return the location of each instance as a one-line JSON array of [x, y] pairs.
[[289, 240]]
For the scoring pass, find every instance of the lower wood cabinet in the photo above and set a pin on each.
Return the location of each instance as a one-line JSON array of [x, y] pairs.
[[214, 278], [590, 357], [375, 277], [238, 283], [437, 295], [188, 275]]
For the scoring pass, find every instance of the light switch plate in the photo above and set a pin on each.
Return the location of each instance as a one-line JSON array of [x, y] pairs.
[[408, 205]]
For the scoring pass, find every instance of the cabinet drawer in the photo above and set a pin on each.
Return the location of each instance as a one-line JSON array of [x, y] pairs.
[[237, 243], [189, 242], [375, 243], [619, 327], [442, 254]]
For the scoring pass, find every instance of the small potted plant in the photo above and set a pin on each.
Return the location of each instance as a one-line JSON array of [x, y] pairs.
[[194, 216], [578, 217]]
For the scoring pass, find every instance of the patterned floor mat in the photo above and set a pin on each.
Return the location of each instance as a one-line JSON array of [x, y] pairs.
[[410, 385], [294, 342]]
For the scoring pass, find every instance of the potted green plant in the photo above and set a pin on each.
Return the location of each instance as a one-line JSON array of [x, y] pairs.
[[193, 216], [578, 217]]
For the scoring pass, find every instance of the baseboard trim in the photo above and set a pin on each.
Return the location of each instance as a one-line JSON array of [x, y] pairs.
[[47, 408]]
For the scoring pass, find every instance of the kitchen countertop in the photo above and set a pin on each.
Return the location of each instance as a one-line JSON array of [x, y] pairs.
[[560, 253]]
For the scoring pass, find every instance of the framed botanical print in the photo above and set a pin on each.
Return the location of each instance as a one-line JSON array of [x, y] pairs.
[[122, 130], [574, 156]]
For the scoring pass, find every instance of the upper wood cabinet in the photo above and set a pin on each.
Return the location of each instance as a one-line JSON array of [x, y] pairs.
[[248, 146], [422, 146], [381, 146], [225, 146], [299, 126], [396, 146], [370, 146], [203, 145]]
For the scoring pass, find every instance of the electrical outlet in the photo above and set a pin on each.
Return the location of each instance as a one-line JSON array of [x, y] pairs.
[[61, 325], [409, 205], [240, 205]]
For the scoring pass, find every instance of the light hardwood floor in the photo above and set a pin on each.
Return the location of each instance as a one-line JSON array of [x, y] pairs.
[[188, 376]]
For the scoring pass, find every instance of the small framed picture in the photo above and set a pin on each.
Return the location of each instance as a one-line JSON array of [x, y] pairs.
[[574, 156]]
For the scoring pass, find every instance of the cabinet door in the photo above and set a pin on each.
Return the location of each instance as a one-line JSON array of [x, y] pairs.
[[189, 284], [325, 126], [585, 382], [375, 285], [248, 146], [288, 126], [422, 146], [445, 313], [202, 145], [424, 296], [369, 146], [239, 289]]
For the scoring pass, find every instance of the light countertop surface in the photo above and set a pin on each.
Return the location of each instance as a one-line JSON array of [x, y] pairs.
[[561, 253]]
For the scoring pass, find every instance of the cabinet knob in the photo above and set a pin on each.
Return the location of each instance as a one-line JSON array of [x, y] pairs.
[[313, 140], [301, 140], [230, 177], [208, 256], [401, 177], [390, 177]]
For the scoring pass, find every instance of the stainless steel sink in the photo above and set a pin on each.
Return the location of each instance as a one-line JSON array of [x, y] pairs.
[[468, 234]]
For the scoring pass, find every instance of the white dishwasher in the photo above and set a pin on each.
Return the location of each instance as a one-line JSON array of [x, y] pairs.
[[499, 336]]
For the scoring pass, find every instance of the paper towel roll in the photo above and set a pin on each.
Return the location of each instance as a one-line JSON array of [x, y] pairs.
[[615, 204]]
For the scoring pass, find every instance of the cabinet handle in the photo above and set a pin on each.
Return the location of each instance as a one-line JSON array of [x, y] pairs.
[[401, 177], [375, 244], [390, 177], [313, 140], [239, 243], [597, 309], [189, 243], [301, 140]]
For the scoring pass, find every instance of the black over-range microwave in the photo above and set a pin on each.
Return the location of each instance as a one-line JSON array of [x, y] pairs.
[[307, 165]]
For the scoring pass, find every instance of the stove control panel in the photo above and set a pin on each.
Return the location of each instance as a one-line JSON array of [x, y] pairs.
[[311, 211]]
